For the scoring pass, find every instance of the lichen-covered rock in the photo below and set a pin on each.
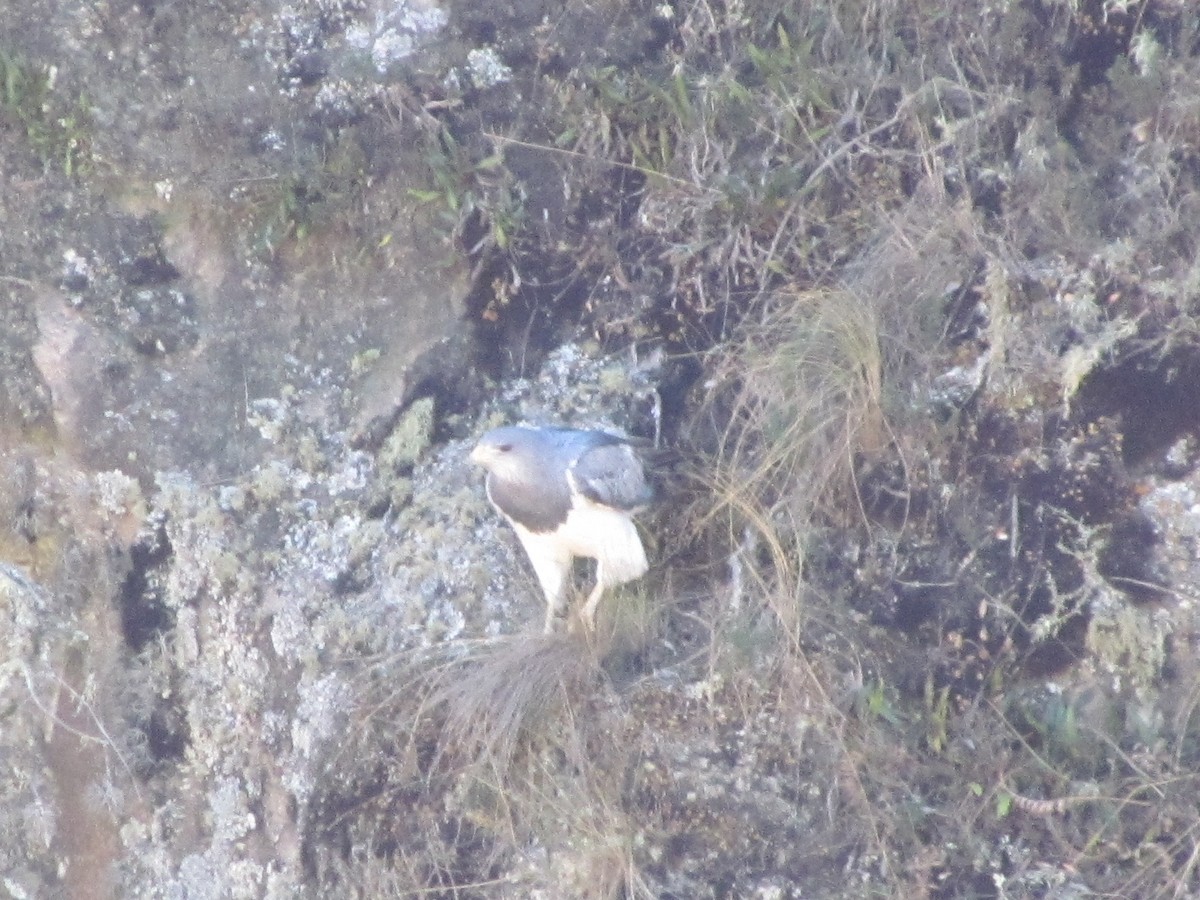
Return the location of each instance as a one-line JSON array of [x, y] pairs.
[[261, 634]]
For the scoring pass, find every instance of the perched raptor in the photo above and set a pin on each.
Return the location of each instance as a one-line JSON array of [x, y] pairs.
[[568, 493]]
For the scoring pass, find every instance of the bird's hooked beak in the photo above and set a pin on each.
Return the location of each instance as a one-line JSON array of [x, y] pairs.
[[483, 454], [496, 457]]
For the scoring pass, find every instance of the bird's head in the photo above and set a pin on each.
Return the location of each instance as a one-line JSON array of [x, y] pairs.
[[502, 450]]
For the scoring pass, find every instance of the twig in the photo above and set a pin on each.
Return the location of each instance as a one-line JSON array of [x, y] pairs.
[[650, 173]]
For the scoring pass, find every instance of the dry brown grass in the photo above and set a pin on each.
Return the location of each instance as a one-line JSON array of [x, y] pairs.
[[522, 722], [824, 195], [503, 697], [804, 390], [499, 738]]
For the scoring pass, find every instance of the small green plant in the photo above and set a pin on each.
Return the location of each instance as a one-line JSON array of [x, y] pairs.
[[284, 211], [642, 117], [875, 700], [321, 192], [465, 187], [795, 96], [937, 715], [55, 126]]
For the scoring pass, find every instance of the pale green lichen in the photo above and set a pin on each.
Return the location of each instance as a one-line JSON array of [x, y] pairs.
[[1129, 642], [409, 439]]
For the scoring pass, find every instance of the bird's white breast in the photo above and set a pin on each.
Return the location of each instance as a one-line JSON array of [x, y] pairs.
[[605, 534]]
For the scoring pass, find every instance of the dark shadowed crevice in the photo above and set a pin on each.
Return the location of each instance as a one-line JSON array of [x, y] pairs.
[[144, 615], [1153, 394]]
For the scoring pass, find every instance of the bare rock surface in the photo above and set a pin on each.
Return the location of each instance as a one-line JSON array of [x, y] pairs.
[[900, 302]]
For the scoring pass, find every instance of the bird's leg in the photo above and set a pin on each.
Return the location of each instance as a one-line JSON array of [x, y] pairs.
[[552, 565], [588, 614], [554, 586], [552, 612], [555, 592]]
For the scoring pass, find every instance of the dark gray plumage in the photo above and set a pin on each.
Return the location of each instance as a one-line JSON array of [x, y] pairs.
[[568, 493]]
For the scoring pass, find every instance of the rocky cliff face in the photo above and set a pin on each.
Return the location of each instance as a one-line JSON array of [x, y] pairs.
[[901, 302]]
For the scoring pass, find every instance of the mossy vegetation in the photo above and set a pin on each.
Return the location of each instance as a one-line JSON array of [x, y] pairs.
[[874, 225], [906, 295], [55, 125]]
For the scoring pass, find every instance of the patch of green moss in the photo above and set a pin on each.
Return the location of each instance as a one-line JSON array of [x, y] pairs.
[[409, 439]]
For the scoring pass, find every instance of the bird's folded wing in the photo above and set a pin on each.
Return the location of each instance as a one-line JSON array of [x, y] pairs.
[[611, 475]]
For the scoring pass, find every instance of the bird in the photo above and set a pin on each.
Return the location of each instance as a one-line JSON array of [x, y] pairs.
[[568, 493]]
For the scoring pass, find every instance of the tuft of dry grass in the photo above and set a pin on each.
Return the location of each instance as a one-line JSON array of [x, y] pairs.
[[499, 741], [803, 395], [815, 390], [508, 694], [532, 769]]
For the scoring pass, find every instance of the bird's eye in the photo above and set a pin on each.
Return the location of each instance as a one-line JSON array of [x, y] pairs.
[[504, 448]]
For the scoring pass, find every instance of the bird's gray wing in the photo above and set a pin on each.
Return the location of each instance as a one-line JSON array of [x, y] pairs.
[[611, 474]]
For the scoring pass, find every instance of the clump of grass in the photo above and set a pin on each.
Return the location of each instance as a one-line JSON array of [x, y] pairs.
[[814, 397], [802, 392], [322, 192], [465, 186], [55, 126], [499, 738], [510, 693]]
